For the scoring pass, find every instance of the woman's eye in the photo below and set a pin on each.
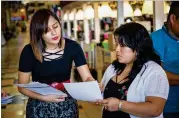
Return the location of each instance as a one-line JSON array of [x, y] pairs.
[[48, 30], [56, 26]]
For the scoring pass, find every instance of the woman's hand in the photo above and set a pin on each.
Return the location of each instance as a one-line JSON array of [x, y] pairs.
[[3, 94], [110, 104], [54, 98], [101, 87]]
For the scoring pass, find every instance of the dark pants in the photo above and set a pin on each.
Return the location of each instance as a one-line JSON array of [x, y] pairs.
[[171, 115]]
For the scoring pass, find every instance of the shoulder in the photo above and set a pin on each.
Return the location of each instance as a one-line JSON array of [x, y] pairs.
[[153, 67], [27, 49], [150, 69], [72, 45], [70, 42], [110, 69], [157, 33], [27, 52]]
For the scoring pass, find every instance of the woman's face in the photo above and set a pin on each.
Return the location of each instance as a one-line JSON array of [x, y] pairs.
[[124, 54], [53, 34]]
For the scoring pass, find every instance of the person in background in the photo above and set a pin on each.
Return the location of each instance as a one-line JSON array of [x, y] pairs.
[[105, 43], [3, 40], [49, 58], [134, 85], [3, 94], [166, 44]]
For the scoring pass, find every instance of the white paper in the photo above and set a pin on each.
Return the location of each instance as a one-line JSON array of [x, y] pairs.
[[47, 91], [6, 100], [7, 97], [85, 91], [33, 84], [41, 88]]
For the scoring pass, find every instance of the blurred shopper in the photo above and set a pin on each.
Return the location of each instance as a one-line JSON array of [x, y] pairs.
[[3, 94], [49, 58], [3, 41], [105, 43], [135, 85], [166, 44]]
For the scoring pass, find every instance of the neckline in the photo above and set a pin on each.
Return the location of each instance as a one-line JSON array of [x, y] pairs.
[[119, 83], [53, 48], [57, 52], [164, 28]]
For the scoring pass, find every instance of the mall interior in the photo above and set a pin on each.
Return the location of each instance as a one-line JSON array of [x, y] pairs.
[[90, 23]]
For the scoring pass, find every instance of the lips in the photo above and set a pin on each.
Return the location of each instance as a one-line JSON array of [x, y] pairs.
[[55, 38]]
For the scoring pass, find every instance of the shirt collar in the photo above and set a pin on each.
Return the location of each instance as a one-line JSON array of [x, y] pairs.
[[165, 29]]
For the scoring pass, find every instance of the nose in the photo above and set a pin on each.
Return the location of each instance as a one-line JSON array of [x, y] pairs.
[[118, 48], [53, 31]]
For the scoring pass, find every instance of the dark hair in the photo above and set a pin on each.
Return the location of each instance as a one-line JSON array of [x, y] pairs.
[[174, 9], [38, 26], [136, 37]]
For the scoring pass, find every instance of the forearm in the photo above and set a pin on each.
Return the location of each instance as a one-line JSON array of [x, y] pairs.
[[31, 94], [142, 109], [172, 78], [85, 73], [90, 79], [173, 83]]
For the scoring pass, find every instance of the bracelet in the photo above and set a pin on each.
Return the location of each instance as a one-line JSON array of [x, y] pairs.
[[120, 105]]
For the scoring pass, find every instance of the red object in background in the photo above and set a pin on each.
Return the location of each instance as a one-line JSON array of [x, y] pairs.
[[60, 85], [86, 55], [23, 17]]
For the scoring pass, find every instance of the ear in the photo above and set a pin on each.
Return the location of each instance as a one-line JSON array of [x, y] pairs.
[[172, 18]]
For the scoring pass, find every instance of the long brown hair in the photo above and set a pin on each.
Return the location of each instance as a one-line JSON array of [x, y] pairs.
[[38, 26]]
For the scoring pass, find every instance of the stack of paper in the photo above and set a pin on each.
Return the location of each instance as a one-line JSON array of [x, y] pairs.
[[85, 91], [41, 88], [6, 100]]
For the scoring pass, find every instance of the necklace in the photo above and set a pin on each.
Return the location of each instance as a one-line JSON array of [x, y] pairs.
[[53, 48]]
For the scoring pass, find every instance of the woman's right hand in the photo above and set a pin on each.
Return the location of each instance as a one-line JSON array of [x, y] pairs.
[[101, 87], [54, 98]]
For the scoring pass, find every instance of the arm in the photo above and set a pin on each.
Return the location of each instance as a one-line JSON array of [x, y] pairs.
[[153, 106], [172, 78], [85, 73], [3, 94], [24, 78]]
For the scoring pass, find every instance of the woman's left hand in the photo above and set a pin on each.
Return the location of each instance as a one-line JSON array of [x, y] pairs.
[[110, 104]]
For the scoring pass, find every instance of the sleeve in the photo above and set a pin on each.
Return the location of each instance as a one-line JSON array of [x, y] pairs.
[[79, 57], [27, 59], [157, 85], [158, 43]]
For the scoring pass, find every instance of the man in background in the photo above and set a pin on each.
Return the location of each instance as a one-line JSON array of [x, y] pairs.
[[166, 43]]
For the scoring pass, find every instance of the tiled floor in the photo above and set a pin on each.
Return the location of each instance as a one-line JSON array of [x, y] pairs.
[[9, 69]]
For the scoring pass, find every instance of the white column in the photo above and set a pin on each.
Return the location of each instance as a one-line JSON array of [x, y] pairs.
[[62, 23], [68, 25], [120, 12], [8, 19], [159, 16], [75, 25], [97, 23], [86, 27]]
